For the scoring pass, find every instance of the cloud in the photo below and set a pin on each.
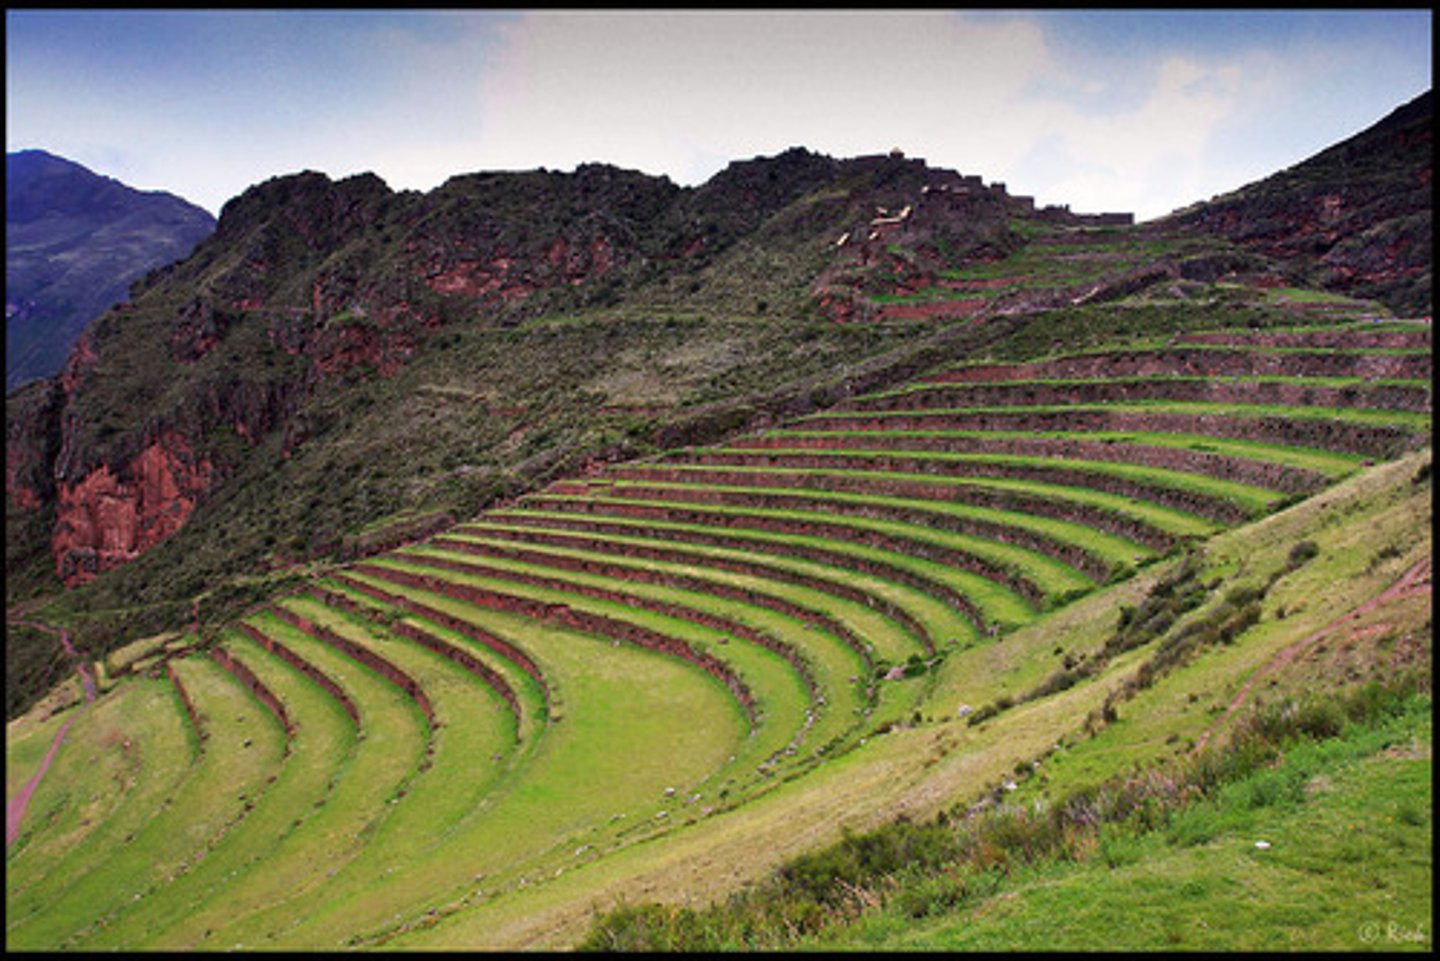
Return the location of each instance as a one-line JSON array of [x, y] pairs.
[[673, 91], [682, 93]]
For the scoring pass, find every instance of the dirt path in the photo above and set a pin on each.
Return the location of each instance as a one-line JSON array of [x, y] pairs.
[[16, 806], [1414, 581]]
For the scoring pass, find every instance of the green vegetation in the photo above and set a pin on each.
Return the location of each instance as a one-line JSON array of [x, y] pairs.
[[1059, 864], [598, 586]]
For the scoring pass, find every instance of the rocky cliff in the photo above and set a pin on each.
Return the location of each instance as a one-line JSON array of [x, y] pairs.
[[309, 287]]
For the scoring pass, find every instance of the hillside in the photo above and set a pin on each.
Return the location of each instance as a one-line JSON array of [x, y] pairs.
[[1355, 218], [469, 564], [523, 324], [74, 242]]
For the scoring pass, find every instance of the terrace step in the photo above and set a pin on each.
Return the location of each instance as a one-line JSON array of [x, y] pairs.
[[1203, 361], [953, 551], [578, 619], [241, 747], [1410, 336], [821, 652], [1266, 465], [1308, 429], [430, 641], [389, 751], [473, 632], [1226, 502], [634, 721], [472, 731], [952, 587], [1091, 552], [895, 601], [1129, 390], [748, 590], [321, 741]]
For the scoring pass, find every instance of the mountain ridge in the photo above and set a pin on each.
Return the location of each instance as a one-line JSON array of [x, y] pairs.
[[75, 240], [321, 317]]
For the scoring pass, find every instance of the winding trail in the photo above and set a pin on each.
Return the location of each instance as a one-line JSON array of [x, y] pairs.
[[16, 806], [1414, 581]]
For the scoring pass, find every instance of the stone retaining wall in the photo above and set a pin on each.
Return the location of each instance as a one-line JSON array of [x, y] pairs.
[[428, 641], [832, 530], [1372, 440], [305, 667], [687, 582], [575, 620], [363, 655], [201, 734], [1200, 362], [257, 687], [836, 559], [1261, 473], [1206, 505], [1095, 568], [715, 622], [1209, 391], [500, 646], [677, 555], [1353, 338]]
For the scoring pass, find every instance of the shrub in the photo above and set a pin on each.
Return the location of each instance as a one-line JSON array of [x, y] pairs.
[[1301, 553]]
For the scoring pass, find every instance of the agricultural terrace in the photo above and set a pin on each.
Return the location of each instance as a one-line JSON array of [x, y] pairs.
[[666, 650]]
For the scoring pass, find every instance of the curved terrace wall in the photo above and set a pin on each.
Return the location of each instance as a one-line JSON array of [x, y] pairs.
[[305, 667], [1372, 440], [1261, 473], [1197, 390], [1097, 569], [1201, 362], [1215, 508], [574, 619], [832, 530], [675, 554]]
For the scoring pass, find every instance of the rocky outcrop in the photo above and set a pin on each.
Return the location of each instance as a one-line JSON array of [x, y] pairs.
[[1355, 218], [106, 517]]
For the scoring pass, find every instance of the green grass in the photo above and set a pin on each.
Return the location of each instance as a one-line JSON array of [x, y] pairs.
[[828, 659], [122, 758], [1412, 419], [1333, 464], [386, 757], [680, 723], [253, 855], [1112, 550], [1052, 578], [1250, 497], [880, 635], [998, 603], [1349, 829], [243, 747], [937, 620], [778, 688]]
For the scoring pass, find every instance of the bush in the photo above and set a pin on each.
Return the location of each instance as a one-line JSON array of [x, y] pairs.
[[1301, 553]]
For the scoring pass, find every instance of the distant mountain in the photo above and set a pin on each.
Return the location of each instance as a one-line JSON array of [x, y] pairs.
[[74, 242], [1355, 218]]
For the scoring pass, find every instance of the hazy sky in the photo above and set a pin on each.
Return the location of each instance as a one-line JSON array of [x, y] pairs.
[[1108, 110]]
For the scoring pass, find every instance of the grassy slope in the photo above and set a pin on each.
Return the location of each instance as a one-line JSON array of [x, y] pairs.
[[939, 762], [1348, 867]]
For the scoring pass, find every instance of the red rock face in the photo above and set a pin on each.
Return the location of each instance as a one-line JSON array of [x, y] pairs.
[[104, 520], [82, 358]]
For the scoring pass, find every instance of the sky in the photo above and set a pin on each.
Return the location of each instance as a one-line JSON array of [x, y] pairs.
[[1105, 110]]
